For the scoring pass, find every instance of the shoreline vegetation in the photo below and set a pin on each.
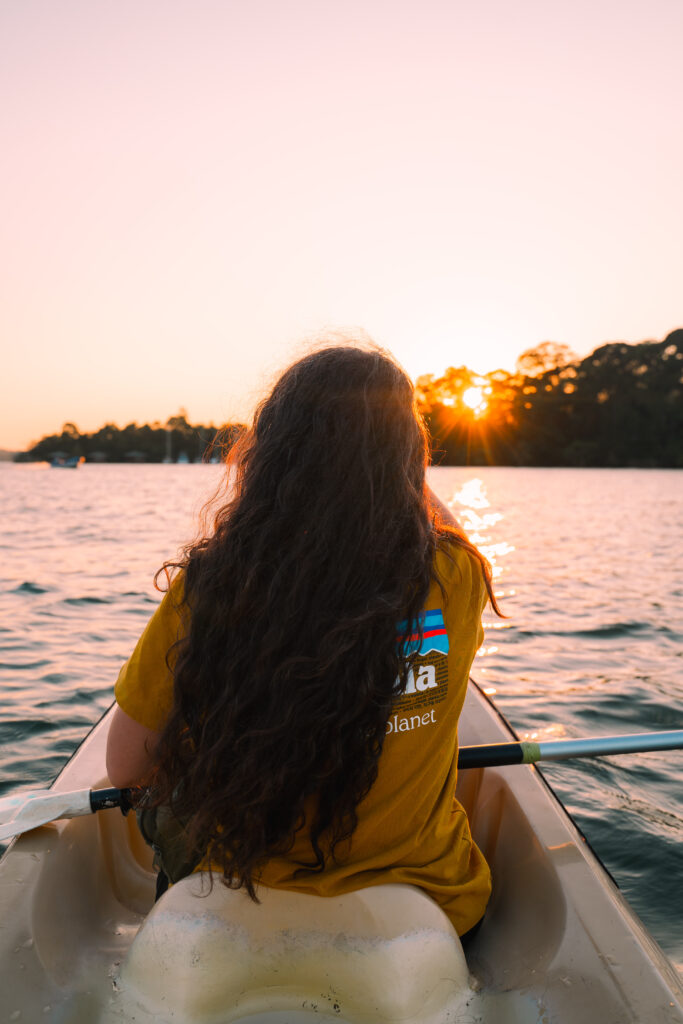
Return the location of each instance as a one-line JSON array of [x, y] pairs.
[[622, 405]]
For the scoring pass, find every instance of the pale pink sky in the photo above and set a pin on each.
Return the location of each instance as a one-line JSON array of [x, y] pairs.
[[190, 189]]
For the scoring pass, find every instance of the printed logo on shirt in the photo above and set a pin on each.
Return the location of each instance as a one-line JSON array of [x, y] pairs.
[[427, 679]]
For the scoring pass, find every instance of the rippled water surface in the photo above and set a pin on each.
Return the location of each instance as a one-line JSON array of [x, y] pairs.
[[587, 563]]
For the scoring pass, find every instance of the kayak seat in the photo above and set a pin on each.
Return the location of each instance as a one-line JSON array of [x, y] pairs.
[[381, 954]]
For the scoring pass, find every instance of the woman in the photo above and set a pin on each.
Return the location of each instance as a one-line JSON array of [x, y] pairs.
[[295, 698]]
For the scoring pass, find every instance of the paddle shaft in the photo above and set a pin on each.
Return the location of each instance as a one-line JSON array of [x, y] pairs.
[[101, 799], [490, 755]]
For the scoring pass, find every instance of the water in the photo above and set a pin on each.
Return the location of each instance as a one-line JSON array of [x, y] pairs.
[[587, 566]]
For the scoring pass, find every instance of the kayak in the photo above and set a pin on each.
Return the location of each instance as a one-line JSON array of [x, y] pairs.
[[83, 942]]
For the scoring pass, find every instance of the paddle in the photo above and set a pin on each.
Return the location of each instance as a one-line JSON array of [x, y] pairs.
[[23, 811]]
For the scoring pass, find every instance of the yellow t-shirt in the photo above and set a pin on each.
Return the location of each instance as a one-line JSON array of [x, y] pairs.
[[411, 829]]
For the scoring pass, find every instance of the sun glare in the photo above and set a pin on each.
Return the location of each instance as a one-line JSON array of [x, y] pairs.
[[475, 399]]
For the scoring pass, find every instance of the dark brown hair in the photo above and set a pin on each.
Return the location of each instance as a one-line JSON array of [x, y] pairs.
[[286, 678]]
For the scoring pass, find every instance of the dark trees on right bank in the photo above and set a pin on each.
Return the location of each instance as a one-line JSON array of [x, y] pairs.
[[620, 406]]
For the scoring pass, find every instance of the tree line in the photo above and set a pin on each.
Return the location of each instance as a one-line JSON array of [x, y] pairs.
[[175, 440], [619, 406]]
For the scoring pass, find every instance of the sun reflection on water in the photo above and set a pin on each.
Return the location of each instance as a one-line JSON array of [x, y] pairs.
[[465, 504], [472, 494], [469, 505]]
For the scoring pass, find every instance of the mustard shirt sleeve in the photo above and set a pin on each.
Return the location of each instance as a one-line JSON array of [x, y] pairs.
[[462, 577], [144, 689]]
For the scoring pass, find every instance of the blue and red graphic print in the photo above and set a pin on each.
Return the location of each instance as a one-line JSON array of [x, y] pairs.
[[435, 637]]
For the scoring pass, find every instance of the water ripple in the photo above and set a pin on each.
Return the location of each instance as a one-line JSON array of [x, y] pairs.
[[16, 666], [30, 588]]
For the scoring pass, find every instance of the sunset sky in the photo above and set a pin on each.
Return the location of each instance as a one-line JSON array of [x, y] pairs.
[[192, 190]]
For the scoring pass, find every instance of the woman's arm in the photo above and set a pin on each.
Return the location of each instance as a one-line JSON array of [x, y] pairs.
[[444, 512], [130, 750], [145, 689]]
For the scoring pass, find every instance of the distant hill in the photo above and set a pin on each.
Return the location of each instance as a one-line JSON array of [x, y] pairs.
[[5, 455]]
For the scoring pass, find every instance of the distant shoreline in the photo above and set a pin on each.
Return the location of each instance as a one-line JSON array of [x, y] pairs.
[[442, 465]]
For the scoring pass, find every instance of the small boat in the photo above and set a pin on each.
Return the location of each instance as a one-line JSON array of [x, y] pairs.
[[66, 461], [82, 941]]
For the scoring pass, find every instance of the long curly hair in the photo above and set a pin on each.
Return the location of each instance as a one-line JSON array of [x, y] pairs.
[[285, 679]]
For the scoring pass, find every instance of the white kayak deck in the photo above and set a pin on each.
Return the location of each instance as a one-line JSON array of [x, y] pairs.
[[558, 943]]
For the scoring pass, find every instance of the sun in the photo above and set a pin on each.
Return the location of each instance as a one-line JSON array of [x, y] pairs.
[[475, 399]]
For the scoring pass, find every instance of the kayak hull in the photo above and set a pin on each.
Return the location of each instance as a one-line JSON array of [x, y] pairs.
[[558, 942]]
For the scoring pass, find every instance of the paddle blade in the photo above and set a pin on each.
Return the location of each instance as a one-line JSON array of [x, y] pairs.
[[23, 811]]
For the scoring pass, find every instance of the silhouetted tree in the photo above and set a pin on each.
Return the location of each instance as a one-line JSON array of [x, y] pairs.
[[620, 406], [549, 355]]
